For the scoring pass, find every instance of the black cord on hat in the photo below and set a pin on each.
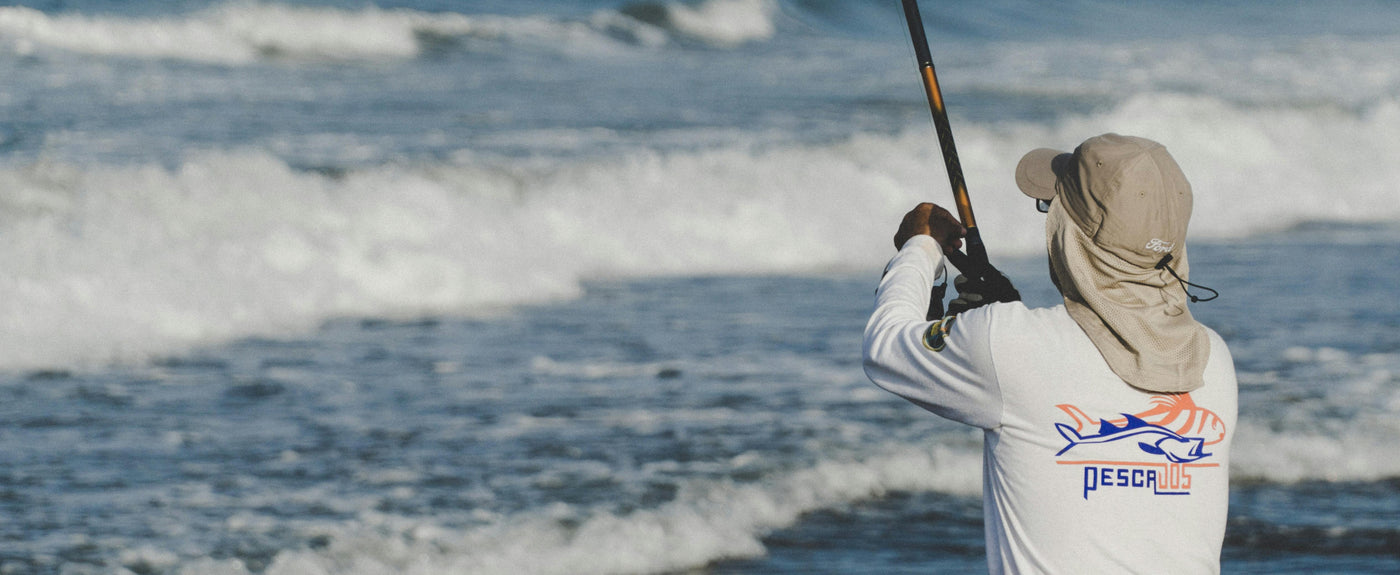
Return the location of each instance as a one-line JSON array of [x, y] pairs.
[[1162, 265]]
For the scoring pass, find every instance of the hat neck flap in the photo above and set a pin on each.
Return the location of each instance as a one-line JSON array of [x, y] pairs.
[[1139, 324]]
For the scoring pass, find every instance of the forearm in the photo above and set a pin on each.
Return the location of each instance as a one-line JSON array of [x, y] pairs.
[[904, 291], [898, 322], [934, 365]]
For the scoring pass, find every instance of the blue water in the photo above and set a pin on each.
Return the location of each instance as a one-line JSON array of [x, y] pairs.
[[577, 287]]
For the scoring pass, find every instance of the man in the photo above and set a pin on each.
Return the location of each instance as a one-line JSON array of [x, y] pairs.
[[1107, 419]]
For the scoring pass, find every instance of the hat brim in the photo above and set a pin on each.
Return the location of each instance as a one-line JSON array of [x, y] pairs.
[[1040, 169]]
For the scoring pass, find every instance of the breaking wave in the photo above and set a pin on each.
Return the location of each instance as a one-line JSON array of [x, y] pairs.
[[715, 22], [1349, 436], [707, 522], [124, 262], [247, 32]]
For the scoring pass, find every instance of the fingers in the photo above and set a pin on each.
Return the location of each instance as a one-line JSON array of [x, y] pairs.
[[915, 223], [931, 220], [919, 216], [945, 228], [951, 229]]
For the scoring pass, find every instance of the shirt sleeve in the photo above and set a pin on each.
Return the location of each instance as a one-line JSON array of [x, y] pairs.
[[943, 366]]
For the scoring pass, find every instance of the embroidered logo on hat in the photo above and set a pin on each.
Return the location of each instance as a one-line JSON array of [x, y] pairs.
[[1160, 246]]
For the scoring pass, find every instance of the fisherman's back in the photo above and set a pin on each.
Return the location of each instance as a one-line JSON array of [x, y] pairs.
[[1086, 474], [1108, 419]]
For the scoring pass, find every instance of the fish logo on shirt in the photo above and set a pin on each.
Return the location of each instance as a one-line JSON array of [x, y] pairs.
[[1175, 433], [1158, 440], [1177, 414]]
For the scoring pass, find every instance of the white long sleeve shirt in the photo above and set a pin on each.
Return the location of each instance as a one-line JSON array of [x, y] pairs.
[[1082, 473]]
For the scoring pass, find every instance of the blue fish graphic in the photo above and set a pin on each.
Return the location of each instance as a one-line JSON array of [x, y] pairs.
[[1159, 440]]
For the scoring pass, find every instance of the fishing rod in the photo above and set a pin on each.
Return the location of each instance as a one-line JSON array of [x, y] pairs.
[[974, 264], [976, 252]]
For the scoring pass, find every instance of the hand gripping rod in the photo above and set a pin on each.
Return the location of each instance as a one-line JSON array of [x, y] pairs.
[[975, 262]]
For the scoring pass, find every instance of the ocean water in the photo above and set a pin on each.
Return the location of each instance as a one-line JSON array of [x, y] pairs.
[[577, 287]]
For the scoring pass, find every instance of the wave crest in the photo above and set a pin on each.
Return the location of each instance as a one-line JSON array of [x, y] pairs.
[[123, 262], [234, 33], [707, 522], [715, 22], [245, 32]]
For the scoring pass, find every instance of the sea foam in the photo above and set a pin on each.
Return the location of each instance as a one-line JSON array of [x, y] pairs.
[[715, 22], [708, 521], [1349, 436], [246, 32], [238, 32], [125, 262]]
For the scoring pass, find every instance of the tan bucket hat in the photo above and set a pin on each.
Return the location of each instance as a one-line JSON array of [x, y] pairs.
[[1119, 204]]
